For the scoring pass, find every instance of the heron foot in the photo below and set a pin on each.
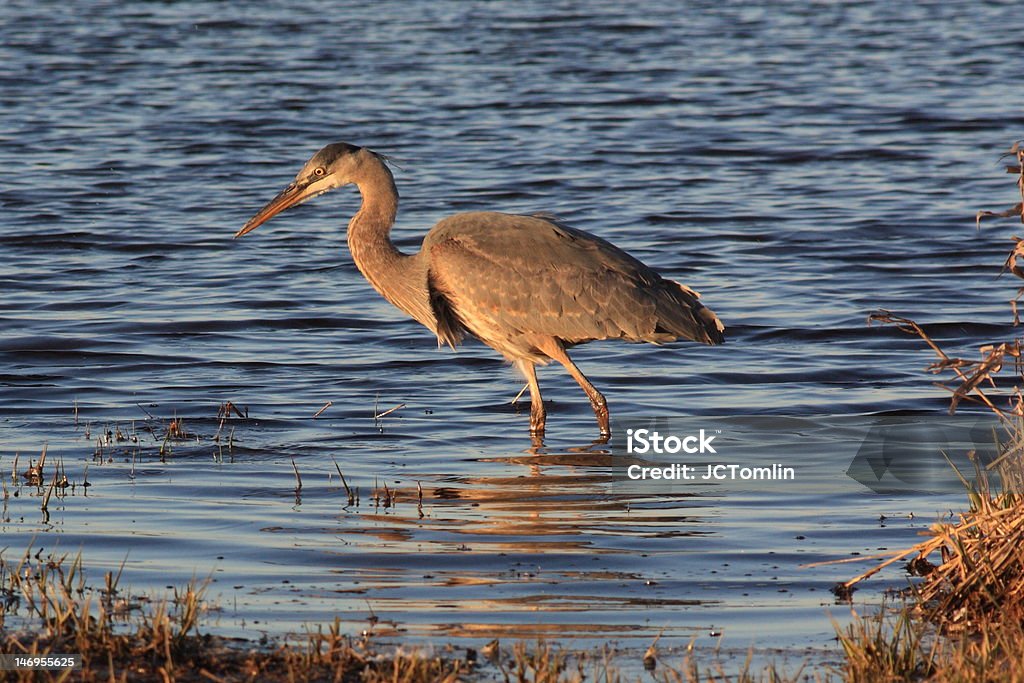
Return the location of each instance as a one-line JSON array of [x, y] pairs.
[[538, 418]]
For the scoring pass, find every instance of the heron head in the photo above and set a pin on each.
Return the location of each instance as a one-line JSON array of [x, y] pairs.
[[333, 166]]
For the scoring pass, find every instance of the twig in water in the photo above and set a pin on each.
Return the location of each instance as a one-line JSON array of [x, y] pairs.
[[520, 394], [320, 412], [1017, 209], [388, 411], [62, 480], [226, 408], [991, 362], [298, 478], [34, 474], [49, 492], [348, 491]]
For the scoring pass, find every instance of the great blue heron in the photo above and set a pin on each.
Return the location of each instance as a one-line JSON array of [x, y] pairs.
[[527, 286]]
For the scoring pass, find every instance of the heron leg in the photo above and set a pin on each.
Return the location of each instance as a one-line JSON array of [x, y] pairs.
[[537, 414], [556, 351]]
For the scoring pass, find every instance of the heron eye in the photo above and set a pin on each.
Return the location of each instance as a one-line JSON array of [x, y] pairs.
[[319, 172]]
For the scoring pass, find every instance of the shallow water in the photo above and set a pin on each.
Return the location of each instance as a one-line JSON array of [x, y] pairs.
[[800, 167]]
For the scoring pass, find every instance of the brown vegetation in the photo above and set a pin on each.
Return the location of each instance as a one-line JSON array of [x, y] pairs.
[[964, 619]]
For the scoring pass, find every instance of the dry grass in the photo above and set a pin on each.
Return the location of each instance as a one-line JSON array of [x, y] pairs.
[[124, 638], [1017, 210], [897, 645]]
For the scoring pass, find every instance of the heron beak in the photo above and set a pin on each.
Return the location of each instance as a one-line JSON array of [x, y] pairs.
[[295, 193]]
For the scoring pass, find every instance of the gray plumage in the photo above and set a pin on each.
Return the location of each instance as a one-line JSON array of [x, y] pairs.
[[528, 286]]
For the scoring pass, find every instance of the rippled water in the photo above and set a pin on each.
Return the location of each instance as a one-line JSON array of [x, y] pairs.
[[798, 165]]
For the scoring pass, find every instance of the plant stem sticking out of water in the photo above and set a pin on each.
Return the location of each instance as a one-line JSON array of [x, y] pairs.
[[348, 491]]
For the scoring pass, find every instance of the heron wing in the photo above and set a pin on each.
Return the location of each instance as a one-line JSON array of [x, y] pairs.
[[500, 275]]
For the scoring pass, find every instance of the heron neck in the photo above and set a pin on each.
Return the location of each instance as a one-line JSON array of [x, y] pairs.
[[369, 231], [391, 272]]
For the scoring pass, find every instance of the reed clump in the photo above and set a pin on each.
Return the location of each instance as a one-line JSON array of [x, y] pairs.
[[963, 618]]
